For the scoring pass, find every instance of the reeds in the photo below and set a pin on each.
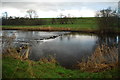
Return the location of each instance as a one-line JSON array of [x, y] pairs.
[[7, 41], [47, 28], [50, 59], [102, 59], [9, 49]]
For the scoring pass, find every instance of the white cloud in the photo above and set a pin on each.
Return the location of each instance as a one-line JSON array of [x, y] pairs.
[[79, 13], [85, 12], [49, 14], [53, 9], [13, 12], [60, 0]]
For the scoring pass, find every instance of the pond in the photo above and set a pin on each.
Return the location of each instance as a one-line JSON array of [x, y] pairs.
[[67, 47]]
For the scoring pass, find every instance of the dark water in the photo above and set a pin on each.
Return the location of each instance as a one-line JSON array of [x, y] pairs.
[[68, 48]]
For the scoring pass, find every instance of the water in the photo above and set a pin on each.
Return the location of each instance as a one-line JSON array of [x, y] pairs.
[[68, 48]]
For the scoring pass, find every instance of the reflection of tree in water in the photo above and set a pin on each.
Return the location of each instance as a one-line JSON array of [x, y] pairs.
[[119, 48], [109, 39], [68, 37], [61, 38]]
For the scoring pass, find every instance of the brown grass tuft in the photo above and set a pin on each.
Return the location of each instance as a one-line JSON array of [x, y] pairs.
[[48, 60], [102, 59]]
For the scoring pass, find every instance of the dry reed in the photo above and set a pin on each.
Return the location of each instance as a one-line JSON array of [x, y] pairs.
[[9, 50], [50, 59], [102, 59]]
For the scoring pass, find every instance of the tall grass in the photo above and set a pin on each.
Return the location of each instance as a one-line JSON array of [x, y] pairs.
[[10, 50], [103, 58], [49, 59]]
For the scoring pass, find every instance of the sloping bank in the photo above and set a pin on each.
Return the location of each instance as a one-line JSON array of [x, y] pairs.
[[14, 67], [71, 29]]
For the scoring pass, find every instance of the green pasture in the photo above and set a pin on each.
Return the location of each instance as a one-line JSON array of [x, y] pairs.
[[16, 68]]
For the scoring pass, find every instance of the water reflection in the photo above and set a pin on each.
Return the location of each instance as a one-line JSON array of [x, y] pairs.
[[68, 49], [109, 39]]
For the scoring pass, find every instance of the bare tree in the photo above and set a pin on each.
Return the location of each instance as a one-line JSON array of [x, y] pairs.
[[106, 13], [63, 19], [61, 15], [32, 13], [119, 8], [107, 19], [5, 15]]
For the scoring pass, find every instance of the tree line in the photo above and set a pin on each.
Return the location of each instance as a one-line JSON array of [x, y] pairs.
[[108, 20], [32, 19], [36, 21]]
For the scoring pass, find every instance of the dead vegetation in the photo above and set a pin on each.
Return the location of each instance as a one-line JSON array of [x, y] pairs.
[[102, 59], [22, 52], [50, 59], [8, 48], [38, 28]]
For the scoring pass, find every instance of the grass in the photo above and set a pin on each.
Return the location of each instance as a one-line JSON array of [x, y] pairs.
[[18, 68], [86, 24], [92, 27], [14, 66], [79, 24]]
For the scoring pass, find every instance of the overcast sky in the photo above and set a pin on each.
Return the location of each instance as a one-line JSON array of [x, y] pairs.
[[53, 8], [59, 0]]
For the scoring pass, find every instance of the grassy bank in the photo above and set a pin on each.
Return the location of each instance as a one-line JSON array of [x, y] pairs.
[[86, 24], [65, 27], [17, 68]]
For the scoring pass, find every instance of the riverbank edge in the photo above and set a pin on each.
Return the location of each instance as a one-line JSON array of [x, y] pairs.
[[58, 29], [44, 68]]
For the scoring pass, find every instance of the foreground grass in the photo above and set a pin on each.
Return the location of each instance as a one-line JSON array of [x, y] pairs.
[[16, 68]]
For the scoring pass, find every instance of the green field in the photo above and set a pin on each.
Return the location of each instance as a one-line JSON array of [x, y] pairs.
[[86, 24], [78, 24], [16, 68]]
